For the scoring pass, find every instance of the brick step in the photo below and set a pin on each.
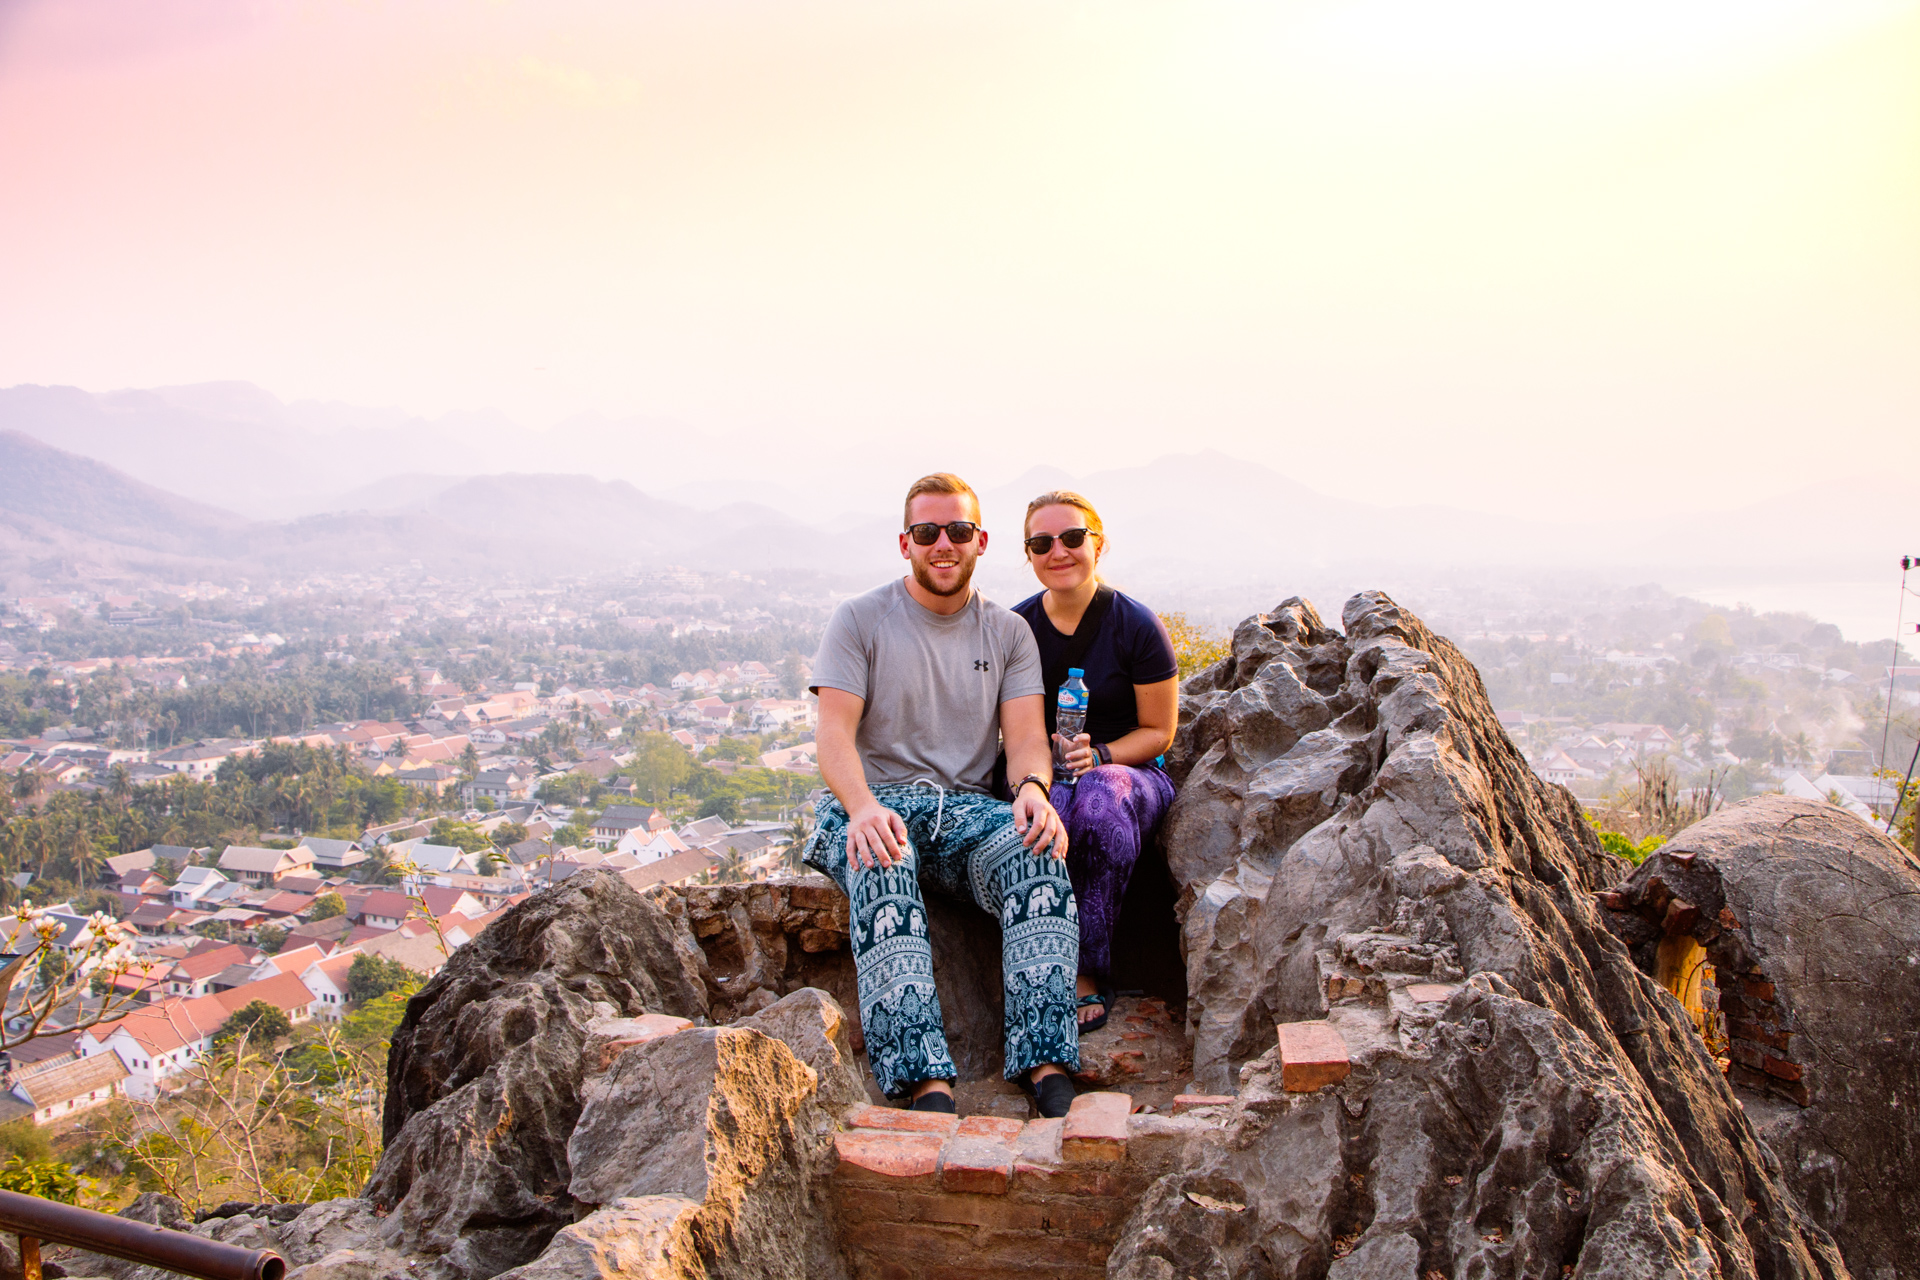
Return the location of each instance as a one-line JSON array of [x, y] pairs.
[[928, 1195]]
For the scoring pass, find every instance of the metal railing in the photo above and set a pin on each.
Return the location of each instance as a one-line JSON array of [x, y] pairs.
[[37, 1221]]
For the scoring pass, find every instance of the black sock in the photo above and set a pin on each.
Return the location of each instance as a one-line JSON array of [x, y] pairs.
[[933, 1100], [1054, 1094]]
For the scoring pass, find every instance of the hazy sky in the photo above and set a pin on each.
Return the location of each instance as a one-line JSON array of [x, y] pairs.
[[1524, 255]]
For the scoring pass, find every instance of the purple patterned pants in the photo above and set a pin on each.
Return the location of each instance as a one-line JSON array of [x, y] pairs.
[[1110, 815]]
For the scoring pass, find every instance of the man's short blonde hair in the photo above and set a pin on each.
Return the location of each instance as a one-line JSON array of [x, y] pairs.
[[938, 482]]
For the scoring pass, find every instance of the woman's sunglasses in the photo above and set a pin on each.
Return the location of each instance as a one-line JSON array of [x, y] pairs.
[[925, 535], [1041, 543]]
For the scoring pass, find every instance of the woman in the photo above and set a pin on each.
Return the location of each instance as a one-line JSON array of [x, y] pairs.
[[1112, 792]]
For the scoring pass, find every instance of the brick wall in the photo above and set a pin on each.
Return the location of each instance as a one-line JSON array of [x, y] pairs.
[[1760, 1040], [936, 1197]]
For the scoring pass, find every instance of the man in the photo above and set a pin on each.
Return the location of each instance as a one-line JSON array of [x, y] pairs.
[[919, 681]]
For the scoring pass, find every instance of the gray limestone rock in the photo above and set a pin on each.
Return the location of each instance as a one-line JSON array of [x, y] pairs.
[[812, 1024], [1810, 921], [637, 1238], [1514, 1147], [1355, 825], [727, 1120], [484, 1076]]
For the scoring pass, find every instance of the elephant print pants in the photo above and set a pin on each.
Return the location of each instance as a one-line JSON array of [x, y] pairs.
[[964, 845]]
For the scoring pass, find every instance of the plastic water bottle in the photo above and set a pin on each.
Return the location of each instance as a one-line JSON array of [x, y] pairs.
[[1069, 717]]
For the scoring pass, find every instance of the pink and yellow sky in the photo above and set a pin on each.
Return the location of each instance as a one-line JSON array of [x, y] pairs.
[[1507, 254]]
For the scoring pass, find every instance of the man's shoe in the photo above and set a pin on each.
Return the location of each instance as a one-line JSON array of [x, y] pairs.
[[934, 1100], [1054, 1094]]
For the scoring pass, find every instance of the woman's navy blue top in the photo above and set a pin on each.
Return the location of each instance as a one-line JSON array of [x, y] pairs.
[[1132, 648]]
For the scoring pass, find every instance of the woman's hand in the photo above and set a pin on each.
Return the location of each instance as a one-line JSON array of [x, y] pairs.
[[1079, 753]]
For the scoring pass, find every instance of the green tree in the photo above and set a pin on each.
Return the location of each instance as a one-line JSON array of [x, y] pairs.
[[370, 977], [464, 836], [1194, 647], [721, 803], [270, 939], [266, 1023], [47, 1179], [327, 906]]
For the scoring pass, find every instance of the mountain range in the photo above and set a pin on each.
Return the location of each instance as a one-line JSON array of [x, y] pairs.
[[225, 477]]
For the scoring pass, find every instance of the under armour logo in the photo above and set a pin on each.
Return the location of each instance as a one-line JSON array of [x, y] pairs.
[[981, 664]]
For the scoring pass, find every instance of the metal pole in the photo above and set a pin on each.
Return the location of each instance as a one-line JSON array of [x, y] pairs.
[[36, 1220]]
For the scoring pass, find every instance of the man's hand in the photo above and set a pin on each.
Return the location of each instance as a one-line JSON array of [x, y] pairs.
[[1078, 755], [876, 836], [1039, 826]]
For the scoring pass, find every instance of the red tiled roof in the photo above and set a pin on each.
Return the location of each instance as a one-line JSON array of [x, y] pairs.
[[387, 904], [204, 964]]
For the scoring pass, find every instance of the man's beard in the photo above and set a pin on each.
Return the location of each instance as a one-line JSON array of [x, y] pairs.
[[924, 576]]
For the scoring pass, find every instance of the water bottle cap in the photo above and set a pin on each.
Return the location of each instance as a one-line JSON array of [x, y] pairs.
[[1074, 673]]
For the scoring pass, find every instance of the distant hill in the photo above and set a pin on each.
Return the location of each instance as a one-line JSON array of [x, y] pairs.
[[98, 501], [233, 444], [60, 513]]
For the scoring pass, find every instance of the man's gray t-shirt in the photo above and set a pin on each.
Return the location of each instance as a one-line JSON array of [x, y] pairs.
[[933, 685]]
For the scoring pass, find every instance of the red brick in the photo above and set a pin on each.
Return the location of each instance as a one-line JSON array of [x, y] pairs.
[[1188, 1101], [1127, 1060], [1072, 1215], [1014, 1271], [1780, 1069], [890, 1158], [898, 1121], [981, 1166], [1430, 992], [1096, 1127], [1040, 1141], [1758, 1033], [1059, 1250], [1312, 1056], [1757, 989], [866, 1267], [907, 1243], [999, 1128], [858, 1203], [1747, 1055], [1096, 1178]]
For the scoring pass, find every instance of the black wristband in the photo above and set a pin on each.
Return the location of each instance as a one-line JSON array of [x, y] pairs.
[[1103, 751], [1037, 781]]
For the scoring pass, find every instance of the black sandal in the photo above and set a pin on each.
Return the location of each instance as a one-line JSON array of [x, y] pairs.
[[1053, 1095], [1103, 997]]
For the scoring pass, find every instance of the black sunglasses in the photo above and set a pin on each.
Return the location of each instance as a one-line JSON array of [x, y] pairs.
[[1041, 543], [959, 532]]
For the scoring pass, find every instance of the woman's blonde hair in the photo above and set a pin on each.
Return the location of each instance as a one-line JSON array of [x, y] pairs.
[[1064, 498]]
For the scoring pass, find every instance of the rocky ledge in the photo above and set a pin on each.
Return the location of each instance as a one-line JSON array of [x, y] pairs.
[[1426, 1028]]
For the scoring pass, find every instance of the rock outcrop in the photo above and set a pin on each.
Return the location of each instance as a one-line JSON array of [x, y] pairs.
[[1802, 925], [483, 1081], [1355, 829], [719, 1139], [1478, 1070]]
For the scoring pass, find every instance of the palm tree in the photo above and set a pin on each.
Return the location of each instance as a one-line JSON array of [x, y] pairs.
[[81, 855], [731, 869], [797, 833], [120, 785]]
